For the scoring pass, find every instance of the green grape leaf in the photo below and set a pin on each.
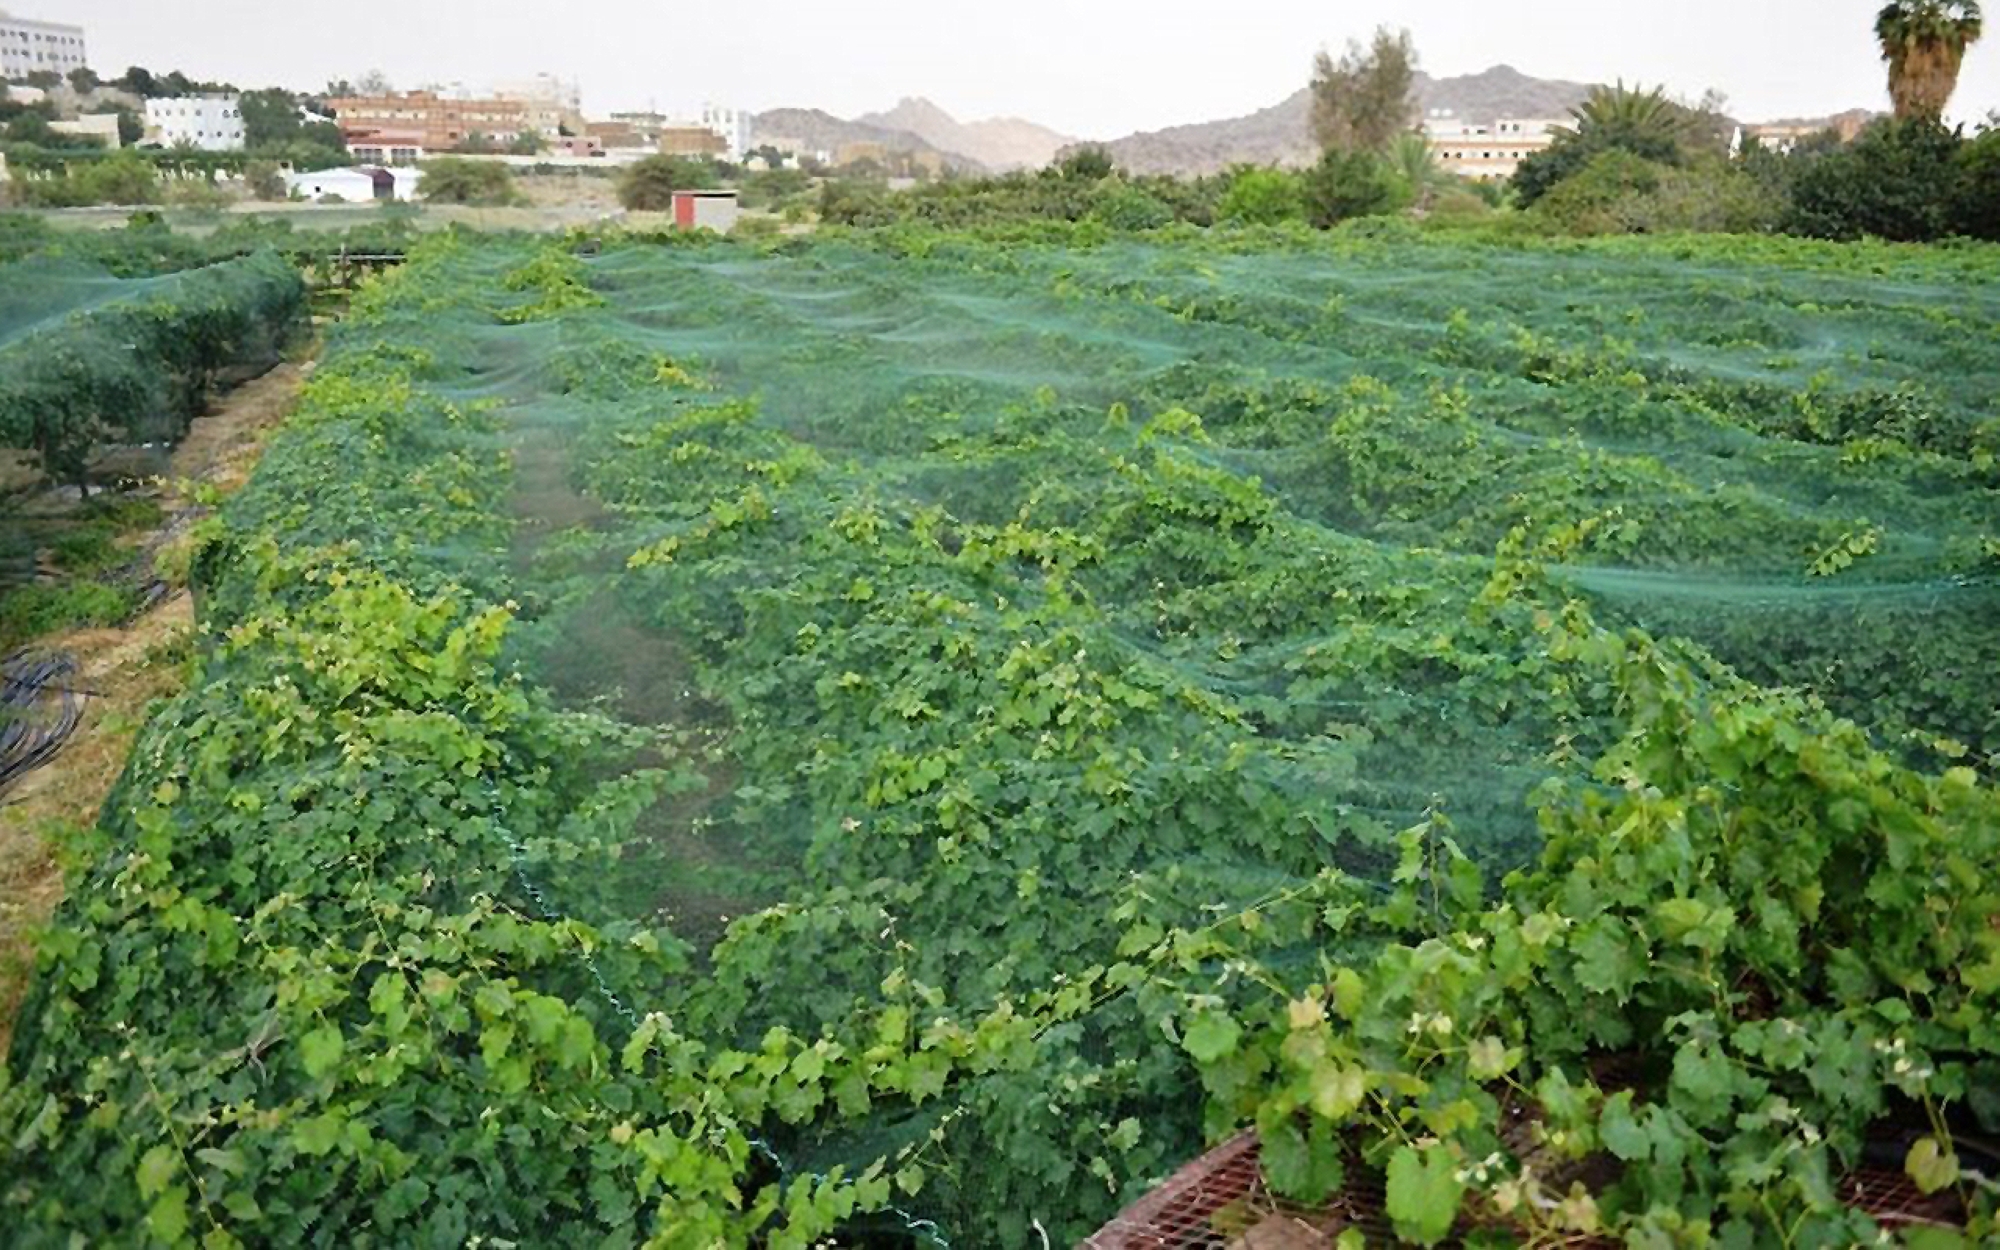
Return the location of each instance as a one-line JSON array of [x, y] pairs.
[[1211, 1035], [320, 1050], [1931, 1166], [1424, 1193]]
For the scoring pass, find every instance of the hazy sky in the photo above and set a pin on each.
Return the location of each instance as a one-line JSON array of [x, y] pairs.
[[1091, 68]]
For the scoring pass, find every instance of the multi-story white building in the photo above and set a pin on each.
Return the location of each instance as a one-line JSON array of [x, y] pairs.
[[213, 123], [1488, 151], [27, 46], [732, 124]]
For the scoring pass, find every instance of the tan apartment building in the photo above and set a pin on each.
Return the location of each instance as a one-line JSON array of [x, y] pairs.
[[691, 140], [427, 122], [1783, 137], [1488, 152]]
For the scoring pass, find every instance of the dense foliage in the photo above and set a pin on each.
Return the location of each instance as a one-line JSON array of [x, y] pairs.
[[137, 364], [703, 743], [450, 180], [649, 185]]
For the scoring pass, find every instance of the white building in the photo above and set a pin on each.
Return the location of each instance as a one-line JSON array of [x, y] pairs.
[[553, 105], [27, 46], [1487, 151], [350, 186], [213, 123], [732, 124]]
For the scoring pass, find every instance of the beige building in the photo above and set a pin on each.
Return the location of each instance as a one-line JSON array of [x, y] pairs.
[[103, 127], [1488, 152], [553, 106], [691, 140]]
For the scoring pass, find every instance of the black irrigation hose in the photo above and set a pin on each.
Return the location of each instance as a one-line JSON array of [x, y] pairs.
[[27, 741]]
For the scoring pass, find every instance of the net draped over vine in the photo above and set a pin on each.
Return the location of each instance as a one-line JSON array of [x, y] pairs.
[[979, 582], [963, 605]]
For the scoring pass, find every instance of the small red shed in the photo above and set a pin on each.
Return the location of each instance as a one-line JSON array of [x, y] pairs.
[[705, 210]]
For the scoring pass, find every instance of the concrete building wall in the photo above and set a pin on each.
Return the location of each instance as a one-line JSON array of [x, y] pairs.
[[213, 123], [1487, 150], [732, 125], [355, 186], [706, 210], [28, 45], [102, 127], [691, 141]]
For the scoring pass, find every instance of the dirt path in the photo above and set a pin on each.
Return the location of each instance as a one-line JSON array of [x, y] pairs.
[[686, 866], [125, 669]]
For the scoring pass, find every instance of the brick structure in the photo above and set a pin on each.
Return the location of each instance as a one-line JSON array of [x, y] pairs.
[[427, 121]]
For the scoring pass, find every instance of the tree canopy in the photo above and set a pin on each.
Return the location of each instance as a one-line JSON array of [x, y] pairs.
[[1361, 102], [1924, 44], [452, 181], [649, 185]]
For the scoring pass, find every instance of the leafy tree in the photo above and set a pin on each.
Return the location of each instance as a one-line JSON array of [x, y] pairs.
[[121, 178], [270, 117], [649, 185], [139, 82], [451, 181], [1127, 207], [84, 80], [44, 79], [1901, 180], [1363, 101], [775, 188], [1088, 163], [477, 144], [1924, 44], [1261, 197], [1646, 124], [31, 127], [373, 82], [131, 126], [527, 143], [1978, 212], [1345, 185], [1602, 196], [263, 180]]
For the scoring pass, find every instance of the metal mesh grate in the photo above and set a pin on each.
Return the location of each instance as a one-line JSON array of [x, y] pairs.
[[1220, 1202]]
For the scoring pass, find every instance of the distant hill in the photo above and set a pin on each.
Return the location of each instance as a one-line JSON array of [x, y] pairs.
[[1281, 134], [999, 143], [1502, 91], [818, 129]]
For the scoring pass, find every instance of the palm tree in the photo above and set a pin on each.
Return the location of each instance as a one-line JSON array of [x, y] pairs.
[[1924, 43], [1413, 160], [1646, 123]]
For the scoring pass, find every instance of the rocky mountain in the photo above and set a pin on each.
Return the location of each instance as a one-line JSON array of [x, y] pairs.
[[1282, 135], [816, 129], [1502, 91], [999, 143]]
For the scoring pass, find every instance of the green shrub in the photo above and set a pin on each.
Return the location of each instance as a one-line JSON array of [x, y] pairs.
[[1619, 193], [1261, 197], [1126, 207], [648, 186], [1345, 185], [451, 180], [36, 611]]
